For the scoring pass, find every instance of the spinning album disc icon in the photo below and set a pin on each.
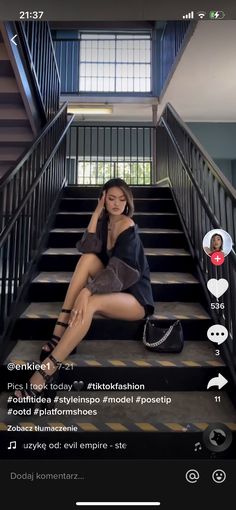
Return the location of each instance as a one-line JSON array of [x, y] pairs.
[[217, 437]]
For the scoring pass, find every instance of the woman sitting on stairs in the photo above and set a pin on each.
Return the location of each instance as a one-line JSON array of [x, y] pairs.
[[112, 278]]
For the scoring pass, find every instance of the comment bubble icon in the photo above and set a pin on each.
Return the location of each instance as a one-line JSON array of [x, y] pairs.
[[217, 334]]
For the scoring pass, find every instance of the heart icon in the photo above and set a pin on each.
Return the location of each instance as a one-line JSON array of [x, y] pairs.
[[217, 287]]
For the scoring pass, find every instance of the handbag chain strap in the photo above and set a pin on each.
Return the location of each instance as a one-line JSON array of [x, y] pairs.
[[158, 342]]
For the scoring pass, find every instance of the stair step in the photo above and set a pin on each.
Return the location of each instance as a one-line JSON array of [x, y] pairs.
[[151, 237], [165, 286], [15, 135], [10, 97], [5, 64], [163, 311], [3, 53], [8, 85], [4, 167], [160, 278], [143, 219], [11, 154], [6, 69], [10, 111], [159, 259], [13, 115], [141, 204], [38, 321], [81, 191], [158, 252], [112, 353], [153, 378], [187, 412], [141, 230], [109, 361], [154, 237]]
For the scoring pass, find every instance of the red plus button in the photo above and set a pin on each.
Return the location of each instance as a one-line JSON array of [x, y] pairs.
[[217, 258]]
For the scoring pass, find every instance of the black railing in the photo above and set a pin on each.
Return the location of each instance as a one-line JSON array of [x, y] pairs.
[[39, 50], [98, 153], [206, 200], [27, 197], [67, 55], [172, 41]]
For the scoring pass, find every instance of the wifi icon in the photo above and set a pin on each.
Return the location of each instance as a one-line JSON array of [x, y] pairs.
[[201, 14]]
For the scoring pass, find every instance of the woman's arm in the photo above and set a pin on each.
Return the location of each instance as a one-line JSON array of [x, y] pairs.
[[115, 277], [91, 241]]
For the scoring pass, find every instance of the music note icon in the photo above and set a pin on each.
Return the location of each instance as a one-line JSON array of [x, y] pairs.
[[197, 447], [12, 445]]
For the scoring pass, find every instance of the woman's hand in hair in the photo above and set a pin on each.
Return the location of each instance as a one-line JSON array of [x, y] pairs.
[[101, 204]]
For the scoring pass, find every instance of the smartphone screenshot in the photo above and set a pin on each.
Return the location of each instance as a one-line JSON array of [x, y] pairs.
[[117, 254]]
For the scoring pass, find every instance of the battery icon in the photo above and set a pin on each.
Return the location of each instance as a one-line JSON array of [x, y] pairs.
[[216, 14]]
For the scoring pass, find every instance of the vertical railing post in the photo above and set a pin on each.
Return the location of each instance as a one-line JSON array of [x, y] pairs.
[[154, 144]]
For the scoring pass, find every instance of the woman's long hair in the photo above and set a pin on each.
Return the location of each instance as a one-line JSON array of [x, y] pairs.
[[120, 183], [212, 242]]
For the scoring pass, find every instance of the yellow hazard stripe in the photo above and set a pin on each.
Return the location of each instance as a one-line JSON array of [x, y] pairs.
[[142, 363], [232, 426], [167, 363], [88, 427], [56, 424], [191, 364], [25, 424], [117, 363], [117, 427], [215, 363], [147, 427], [124, 427], [93, 363], [177, 427], [137, 362], [201, 425]]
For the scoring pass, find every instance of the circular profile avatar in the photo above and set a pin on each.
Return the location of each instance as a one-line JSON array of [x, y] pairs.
[[217, 240]]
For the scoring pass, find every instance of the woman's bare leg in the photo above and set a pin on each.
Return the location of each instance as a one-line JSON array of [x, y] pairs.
[[117, 305], [89, 265]]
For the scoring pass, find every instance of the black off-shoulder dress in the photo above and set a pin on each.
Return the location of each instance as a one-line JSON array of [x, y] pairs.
[[126, 267]]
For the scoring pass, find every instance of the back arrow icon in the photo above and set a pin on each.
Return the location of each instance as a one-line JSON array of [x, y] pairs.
[[12, 39], [219, 381]]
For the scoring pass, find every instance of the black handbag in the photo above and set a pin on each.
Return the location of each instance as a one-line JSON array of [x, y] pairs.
[[163, 340]]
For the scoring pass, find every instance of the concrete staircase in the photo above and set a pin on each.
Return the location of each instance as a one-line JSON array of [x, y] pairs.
[[113, 351]]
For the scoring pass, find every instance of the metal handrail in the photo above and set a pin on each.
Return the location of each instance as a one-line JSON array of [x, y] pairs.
[[27, 198], [213, 166], [8, 228], [205, 200], [198, 190], [37, 40], [10, 173]]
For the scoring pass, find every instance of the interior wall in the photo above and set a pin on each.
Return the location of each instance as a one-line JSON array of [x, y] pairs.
[[219, 140]]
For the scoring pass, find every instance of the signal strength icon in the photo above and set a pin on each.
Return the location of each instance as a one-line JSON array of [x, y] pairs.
[[201, 14], [189, 15]]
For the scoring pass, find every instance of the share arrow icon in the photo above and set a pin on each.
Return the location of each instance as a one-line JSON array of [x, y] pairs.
[[219, 381]]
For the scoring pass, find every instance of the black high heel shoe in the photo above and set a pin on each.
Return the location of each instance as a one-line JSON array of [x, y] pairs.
[[28, 397], [54, 340]]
